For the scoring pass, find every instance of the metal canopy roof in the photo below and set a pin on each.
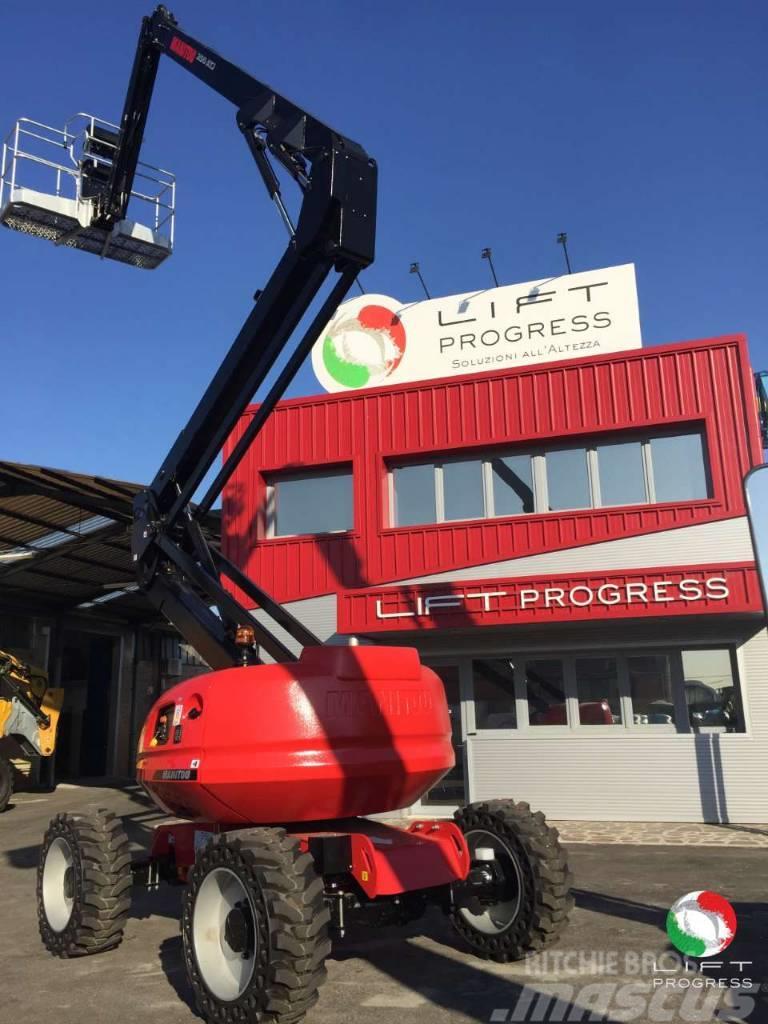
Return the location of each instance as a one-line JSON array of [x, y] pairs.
[[65, 545]]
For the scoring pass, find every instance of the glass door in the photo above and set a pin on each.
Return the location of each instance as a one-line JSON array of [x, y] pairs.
[[451, 791]]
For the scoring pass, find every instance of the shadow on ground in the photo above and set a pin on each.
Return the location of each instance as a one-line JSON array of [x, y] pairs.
[[171, 953], [419, 975]]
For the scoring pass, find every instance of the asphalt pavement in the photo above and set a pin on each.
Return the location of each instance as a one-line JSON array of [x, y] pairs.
[[613, 962]]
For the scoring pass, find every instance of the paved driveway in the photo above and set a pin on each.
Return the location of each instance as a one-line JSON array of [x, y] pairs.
[[608, 962]]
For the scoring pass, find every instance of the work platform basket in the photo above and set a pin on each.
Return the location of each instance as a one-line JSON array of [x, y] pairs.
[[50, 181]]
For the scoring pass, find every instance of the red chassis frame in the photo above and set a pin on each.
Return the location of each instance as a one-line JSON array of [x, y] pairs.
[[384, 860]]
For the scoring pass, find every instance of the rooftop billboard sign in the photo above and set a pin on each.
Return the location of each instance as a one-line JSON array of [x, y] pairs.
[[375, 340]]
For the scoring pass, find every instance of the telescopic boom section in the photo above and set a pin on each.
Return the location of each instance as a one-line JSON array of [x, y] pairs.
[[335, 232]]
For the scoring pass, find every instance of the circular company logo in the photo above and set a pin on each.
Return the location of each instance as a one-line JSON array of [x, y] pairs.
[[361, 347], [701, 923]]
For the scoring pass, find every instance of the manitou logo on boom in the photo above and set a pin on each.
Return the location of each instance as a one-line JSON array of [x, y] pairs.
[[190, 54], [183, 50]]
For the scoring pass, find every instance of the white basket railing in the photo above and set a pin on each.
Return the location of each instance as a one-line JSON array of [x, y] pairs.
[[44, 159]]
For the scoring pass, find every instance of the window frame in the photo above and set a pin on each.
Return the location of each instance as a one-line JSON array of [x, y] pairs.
[[622, 690], [647, 468], [742, 706], [589, 465], [539, 477], [392, 492], [272, 481], [680, 724], [569, 685], [472, 717], [702, 434], [627, 727]]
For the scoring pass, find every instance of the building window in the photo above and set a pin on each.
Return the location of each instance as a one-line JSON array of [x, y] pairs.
[[650, 689], [494, 690], [622, 473], [568, 483], [545, 692], [463, 496], [674, 690], [451, 787], [597, 690], [414, 488], [711, 694], [657, 468], [512, 485], [316, 502], [679, 472]]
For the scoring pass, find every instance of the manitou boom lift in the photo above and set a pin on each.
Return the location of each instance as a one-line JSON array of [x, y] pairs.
[[273, 766]]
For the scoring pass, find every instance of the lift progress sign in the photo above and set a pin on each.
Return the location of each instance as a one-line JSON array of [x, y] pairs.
[[375, 340]]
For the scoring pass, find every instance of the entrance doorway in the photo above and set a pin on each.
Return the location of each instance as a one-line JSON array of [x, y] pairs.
[[89, 677], [451, 791]]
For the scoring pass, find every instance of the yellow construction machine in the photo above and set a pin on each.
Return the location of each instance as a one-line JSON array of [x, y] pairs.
[[29, 716]]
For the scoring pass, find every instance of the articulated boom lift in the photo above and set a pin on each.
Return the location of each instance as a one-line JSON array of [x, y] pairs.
[[272, 767]]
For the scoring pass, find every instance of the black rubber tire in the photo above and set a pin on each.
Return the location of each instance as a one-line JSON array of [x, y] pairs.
[[6, 783], [291, 927], [101, 882], [545, 901]]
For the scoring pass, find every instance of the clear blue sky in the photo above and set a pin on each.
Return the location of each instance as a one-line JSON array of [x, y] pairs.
[[639, 127]]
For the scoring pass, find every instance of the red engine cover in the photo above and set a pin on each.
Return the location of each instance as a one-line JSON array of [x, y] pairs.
[[344, 731]]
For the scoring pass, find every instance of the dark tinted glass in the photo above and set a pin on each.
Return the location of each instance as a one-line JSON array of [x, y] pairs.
[[650, 684], [494, 687], [414, 495], [678, 468], [597, 689], [463, 489], [621, 473], [315, 503], [450, 789], [512, 485], [546, 692], [568, 479], [711, 693]]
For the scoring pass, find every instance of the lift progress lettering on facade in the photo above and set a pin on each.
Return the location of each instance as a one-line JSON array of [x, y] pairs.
[[691, 591]]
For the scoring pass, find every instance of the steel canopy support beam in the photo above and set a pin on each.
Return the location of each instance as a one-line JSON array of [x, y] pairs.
[[68, 495], [41, 555]]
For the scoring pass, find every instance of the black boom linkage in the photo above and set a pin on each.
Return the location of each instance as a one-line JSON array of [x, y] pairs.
[[335, 231]]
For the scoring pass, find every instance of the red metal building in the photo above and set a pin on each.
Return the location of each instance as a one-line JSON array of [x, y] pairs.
[[567, 544]]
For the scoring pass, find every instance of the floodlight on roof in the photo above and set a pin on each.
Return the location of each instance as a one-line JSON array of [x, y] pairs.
[[51, 180]]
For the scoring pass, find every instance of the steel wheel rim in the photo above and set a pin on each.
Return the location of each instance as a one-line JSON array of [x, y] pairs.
[[226, 972], [498, 918], [58, 878]]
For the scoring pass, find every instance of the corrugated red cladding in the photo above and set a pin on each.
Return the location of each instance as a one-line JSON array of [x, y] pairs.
[[705, 383]]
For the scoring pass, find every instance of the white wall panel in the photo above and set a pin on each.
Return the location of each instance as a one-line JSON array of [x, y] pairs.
[[714, 777], [721, 542]]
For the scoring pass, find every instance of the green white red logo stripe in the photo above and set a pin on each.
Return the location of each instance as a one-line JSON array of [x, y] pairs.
[[364, 347], [701, 923]]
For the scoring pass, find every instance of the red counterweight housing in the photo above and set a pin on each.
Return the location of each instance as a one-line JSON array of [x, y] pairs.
[[345, 731]]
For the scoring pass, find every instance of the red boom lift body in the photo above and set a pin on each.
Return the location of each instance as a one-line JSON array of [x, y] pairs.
[[351, 731]]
